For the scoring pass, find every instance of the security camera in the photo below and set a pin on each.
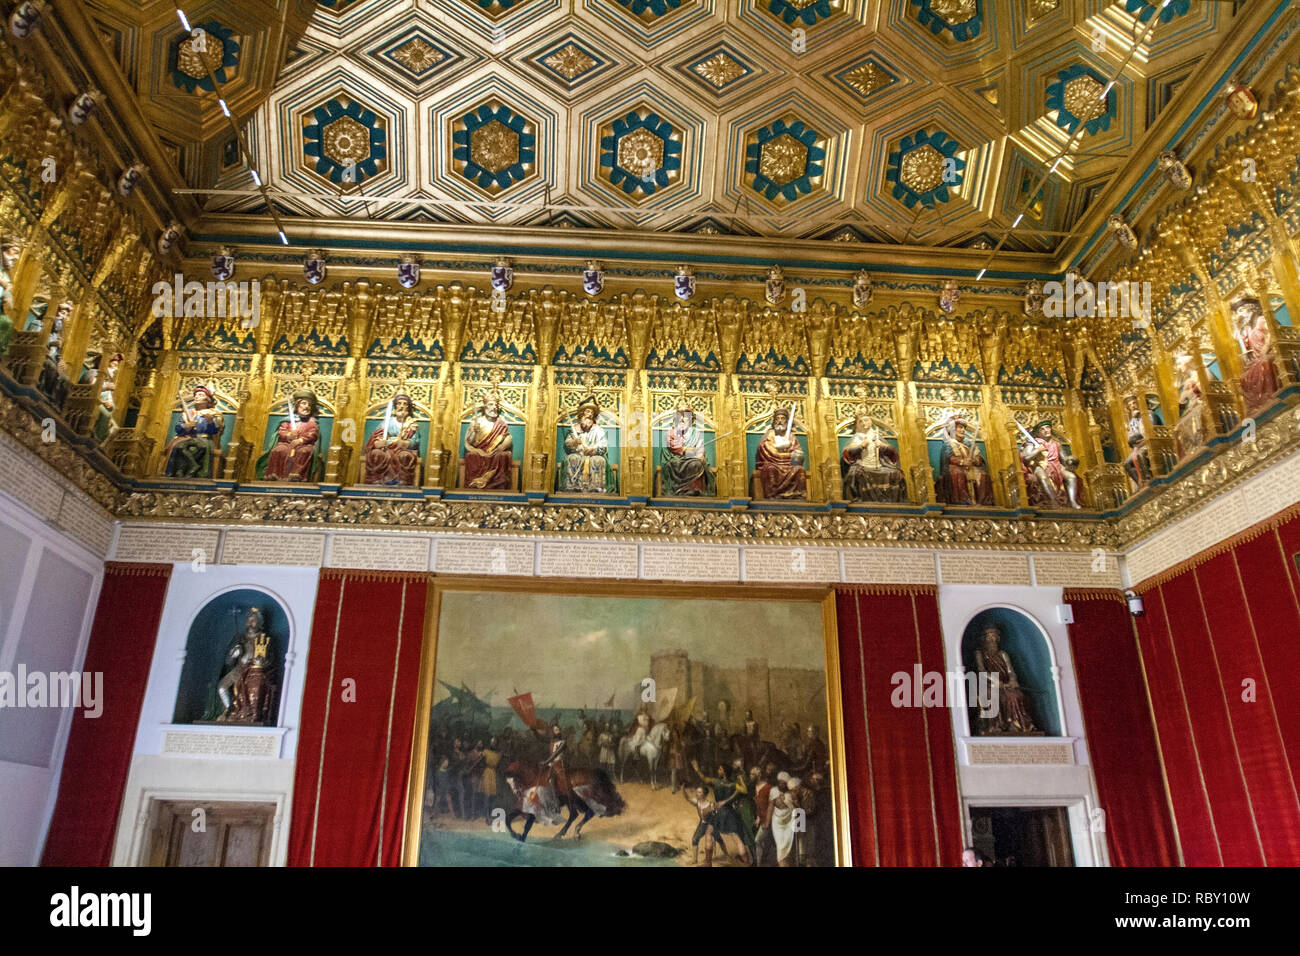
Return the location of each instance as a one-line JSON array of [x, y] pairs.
[[1135, 605]]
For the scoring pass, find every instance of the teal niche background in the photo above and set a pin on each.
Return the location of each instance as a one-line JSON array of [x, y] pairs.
[[1027, 648], [205, 647]]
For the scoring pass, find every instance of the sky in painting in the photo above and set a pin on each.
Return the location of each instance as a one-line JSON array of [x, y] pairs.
[[575, 651]]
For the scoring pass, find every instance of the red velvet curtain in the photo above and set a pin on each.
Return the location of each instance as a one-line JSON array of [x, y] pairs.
[[901, 761], [98, 758], [358, 715], [1219, 643], [1121, 735]]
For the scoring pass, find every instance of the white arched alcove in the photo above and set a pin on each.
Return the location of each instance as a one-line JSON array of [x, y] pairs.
[[1025, 772], [216, 763]]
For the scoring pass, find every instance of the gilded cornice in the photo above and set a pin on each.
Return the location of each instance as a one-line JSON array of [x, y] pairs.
[[619, 521], [95, 480]]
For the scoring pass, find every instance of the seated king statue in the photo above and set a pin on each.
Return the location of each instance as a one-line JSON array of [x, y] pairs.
[[779, 460], [586, 447], [683, 469], [393, 449], [293, 456], [198, 436], [489, 449], [869, 464]]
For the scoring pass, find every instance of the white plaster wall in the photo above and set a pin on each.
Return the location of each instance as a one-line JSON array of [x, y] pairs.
[[1071, 786], [55, 614], [158, 776]]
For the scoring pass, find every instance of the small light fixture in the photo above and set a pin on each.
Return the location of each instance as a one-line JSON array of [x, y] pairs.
[[184, 22], [1135, 605]]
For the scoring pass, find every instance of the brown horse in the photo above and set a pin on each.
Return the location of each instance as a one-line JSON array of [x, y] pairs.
[[580, 791]]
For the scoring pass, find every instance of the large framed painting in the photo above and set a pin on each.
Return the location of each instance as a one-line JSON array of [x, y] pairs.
[[631, 724]]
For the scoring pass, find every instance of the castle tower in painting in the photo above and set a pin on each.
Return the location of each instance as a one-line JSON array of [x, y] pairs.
[[777, 695]]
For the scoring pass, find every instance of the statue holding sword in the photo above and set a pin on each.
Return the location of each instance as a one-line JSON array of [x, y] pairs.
[[1049, 470]]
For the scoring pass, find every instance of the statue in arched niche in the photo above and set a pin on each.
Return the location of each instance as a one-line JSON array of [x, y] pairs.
[[1259, 379], [1004, 706], [1049, 470], [293, 456], [198, 436], [869, 463], [683, 468], [489, 447], [246, 688], [963, 472], [586, 447], [779, 459], [393, 449]]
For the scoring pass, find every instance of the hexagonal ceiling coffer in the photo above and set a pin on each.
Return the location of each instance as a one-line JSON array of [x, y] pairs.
[[494, 147], [641, 151]]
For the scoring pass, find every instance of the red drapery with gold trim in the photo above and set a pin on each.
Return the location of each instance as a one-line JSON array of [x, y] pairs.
[[1121, 734], [902, 770], [98, 758], [1220, 646], [358, 715]]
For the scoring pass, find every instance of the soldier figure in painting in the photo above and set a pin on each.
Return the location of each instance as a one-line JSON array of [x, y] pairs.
[[293, 457], [780, 459], [682, 467], [869, 464], [963, 474], [393, 449], [586, 447], [198, 437], [246, 687], [488, 447]]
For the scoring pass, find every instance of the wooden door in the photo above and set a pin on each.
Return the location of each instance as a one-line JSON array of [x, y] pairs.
[[223, 834]]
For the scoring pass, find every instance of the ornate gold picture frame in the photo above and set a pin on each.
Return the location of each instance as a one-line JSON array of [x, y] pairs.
[[591, 742]]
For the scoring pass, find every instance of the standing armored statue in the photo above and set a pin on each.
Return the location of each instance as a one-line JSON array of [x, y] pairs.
[[1049, 471], [247, 687]]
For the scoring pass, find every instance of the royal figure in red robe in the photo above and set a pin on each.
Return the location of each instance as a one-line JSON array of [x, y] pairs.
[[780, 460], [488, 448], [1050, 478], [963, 474], [293, 456], [1259, 379], [393, 449]]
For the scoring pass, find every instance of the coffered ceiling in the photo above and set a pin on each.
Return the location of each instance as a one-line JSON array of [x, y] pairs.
[[917, 122]]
